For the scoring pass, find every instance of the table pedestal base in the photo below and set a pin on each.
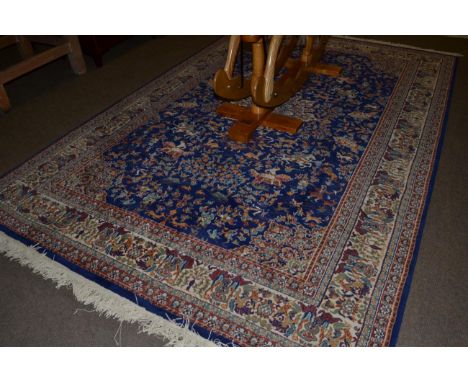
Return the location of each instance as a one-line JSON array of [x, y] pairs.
[[248, 119]]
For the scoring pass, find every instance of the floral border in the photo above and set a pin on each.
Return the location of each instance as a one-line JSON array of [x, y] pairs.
[[127, 114]]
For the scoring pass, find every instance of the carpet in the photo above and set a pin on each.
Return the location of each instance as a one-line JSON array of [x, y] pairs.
[[288, 240]]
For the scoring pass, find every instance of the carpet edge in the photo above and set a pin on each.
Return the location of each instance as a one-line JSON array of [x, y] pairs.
[[104, 302], [409, 279]]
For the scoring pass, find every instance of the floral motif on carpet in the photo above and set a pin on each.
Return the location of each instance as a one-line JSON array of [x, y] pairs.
[[289, 240]]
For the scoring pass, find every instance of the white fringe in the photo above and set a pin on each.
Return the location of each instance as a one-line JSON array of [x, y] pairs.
[[401, 45], [104, 302]]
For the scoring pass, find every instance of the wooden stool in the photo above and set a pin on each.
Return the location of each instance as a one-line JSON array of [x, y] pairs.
[[62, 46]]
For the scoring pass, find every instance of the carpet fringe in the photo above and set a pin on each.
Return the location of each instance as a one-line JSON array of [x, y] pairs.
[[103, 301], [401, 45]]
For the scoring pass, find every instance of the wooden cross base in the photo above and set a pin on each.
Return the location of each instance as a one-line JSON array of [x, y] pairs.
[[326, 69], [248, 119]]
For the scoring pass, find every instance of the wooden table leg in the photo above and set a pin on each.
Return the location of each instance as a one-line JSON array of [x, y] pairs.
[[76, 56], [4, 100], [25, 47], [258, 64]]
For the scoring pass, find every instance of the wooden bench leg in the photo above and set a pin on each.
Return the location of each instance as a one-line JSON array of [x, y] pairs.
[[31, 61], [24, 46], [76, 56], [4, 100]]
